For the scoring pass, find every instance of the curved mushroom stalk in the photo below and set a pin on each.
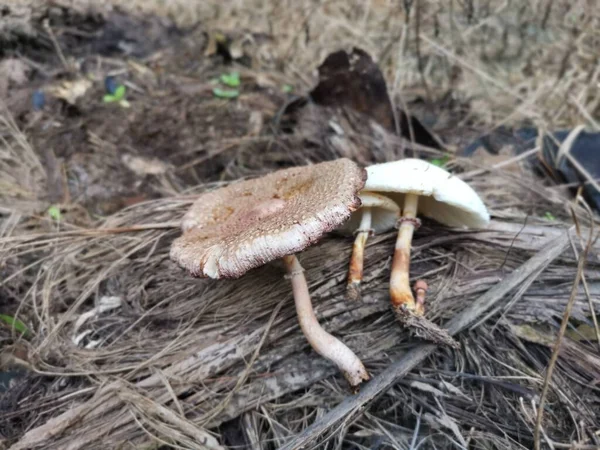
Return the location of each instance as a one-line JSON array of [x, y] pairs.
[[355, 273], [320, 340], [248, 223], [400, 292]]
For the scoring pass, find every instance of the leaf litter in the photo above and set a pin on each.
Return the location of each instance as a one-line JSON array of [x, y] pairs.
[[204, 364]]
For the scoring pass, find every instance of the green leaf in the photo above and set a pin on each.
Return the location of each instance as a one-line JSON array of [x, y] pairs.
[[54, 212], [118, 95], [119, 92], [226, 93], [287, 88], [108, 98], [440, 162], [15, 323], [549, 216], [231, 80]]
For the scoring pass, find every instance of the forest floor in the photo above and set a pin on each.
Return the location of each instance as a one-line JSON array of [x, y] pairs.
[[106, 344]]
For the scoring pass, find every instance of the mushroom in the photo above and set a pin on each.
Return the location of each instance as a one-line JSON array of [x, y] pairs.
[[242, 226], [377, 214], [422, 188]]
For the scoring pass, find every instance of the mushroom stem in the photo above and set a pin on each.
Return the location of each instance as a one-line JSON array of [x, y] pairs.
[[420, 289], [400, 292], [355, 274], [320, 340]]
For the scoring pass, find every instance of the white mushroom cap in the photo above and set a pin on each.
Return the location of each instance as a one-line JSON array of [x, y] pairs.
[[443, 197], [231, 230], [384, 213]]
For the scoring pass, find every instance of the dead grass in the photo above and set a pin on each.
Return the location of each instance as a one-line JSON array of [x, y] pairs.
[[23, 174], [536, 61], [128, 349], [173, 342]]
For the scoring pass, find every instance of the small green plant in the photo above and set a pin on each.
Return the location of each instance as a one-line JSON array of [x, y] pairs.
[[440, 162], [15, 323], [117, 97], [232, 79], [549, 216], [226, 93], [287, 88], [54, 213]]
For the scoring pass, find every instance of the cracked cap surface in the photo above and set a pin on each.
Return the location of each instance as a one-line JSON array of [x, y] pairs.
[[231, 230]]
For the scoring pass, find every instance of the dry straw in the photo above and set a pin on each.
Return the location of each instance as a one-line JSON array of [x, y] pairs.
[[183, 344], [162, 358]]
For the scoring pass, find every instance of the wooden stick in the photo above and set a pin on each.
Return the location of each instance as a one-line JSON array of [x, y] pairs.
[[352, 405]]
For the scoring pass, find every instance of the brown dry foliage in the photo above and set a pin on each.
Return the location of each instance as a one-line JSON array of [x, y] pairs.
[[129, 349]]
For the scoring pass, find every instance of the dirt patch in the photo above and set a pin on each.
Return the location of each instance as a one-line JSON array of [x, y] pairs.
[[173, 118]]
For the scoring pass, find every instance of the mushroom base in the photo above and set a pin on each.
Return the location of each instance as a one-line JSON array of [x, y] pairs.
[[353, 291], [403, 299], [423, 328]]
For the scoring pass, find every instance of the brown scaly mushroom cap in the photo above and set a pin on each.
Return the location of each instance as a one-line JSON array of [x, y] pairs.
[[231, 230]]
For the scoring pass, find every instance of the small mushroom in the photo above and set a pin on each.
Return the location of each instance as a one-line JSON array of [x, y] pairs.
[[422, 188], [231, 230], [377, 214]]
